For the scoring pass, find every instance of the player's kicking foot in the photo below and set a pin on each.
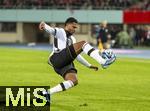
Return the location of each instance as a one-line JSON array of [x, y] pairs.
[[46, 95]]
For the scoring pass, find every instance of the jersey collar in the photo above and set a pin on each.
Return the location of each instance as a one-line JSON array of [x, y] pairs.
[[68, 34]]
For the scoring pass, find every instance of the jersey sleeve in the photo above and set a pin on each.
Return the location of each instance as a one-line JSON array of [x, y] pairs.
[[55, 32], [50, 30], [83, 61]]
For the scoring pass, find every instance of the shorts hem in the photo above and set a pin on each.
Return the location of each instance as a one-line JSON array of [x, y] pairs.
[[69, 71]]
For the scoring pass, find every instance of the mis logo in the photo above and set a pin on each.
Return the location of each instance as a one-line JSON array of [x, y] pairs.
[[24, 98]]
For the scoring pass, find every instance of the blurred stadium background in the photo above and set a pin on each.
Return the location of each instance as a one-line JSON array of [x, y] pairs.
[[122, 87], [19, 19]]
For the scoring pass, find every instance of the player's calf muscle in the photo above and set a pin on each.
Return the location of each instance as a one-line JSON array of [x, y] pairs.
[[72, 77]]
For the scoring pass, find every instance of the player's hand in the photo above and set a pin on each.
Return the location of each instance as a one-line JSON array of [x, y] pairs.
[[94, 68], [42, 25]]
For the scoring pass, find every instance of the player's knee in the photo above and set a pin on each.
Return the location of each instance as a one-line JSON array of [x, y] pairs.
[[72, 77], [83, 42]]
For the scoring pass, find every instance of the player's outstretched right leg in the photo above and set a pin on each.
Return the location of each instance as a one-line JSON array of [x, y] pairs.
[[92, 52]]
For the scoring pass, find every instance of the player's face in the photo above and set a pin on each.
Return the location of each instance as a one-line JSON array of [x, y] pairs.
[[71, 27]]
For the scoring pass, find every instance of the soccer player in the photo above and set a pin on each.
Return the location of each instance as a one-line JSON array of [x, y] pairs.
[[65, 51]]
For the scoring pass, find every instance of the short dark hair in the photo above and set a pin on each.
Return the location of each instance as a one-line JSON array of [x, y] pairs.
[[71, 20]]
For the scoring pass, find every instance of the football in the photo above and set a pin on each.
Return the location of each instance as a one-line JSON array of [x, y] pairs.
[[107, 54]]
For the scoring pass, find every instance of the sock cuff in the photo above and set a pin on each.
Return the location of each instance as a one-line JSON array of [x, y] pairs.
[[90, 51], [63, 86], [66, 84]]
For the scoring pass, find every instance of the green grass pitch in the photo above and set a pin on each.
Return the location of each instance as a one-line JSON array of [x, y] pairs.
[[124, 86]]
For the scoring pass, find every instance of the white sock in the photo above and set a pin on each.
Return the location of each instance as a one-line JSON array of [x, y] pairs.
[[94, 53], [61, 87]]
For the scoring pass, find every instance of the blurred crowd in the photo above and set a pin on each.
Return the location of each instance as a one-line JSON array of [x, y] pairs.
[[141, 5], [140, 34], [76, 4], [117, 36], [134, 35]]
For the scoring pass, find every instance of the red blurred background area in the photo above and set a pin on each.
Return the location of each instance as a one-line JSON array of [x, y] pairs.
[[136, 16]]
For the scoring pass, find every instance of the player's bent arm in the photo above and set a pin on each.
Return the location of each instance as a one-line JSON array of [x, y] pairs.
[[55, 32], [47, 28], [83, 61]]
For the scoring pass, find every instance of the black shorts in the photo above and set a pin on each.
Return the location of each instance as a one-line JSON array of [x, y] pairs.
[[62, 62]]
